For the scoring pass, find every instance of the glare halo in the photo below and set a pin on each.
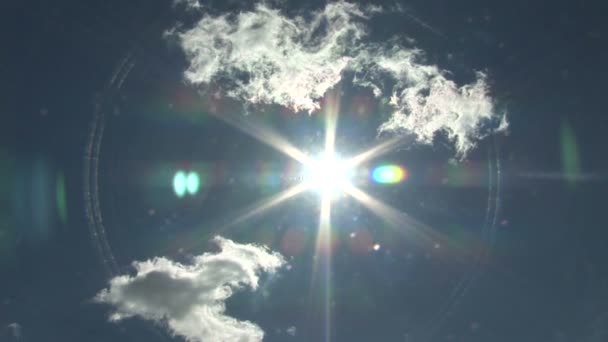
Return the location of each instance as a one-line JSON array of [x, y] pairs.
[[328, 175]]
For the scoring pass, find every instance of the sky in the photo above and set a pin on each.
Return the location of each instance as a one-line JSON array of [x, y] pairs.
[[164, 171]]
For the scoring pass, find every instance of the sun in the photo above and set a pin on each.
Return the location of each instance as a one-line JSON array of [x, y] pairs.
[[328, 175]]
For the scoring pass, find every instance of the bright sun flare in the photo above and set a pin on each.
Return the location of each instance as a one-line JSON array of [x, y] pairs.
[[327, 175]]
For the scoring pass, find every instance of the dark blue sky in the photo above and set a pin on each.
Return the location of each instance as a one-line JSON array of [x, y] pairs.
[[546, 278]]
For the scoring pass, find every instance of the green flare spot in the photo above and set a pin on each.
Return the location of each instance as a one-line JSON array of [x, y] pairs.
[[192, 183], [179, 184], [571, 166], [61, 198]]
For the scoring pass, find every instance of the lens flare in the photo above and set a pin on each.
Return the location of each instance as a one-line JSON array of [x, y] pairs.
[[327, 175], [61, 198], [389, 174], [179, 184], [193, 183]]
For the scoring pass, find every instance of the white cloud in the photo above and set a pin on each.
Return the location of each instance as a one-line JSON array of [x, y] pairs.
[[273, 58], [190, 299], [426, 102], [264, 56], [189, 4]]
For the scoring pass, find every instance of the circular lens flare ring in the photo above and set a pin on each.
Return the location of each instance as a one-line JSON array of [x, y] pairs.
[[327, 175]]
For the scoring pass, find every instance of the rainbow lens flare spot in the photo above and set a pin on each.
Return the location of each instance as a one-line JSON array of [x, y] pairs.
[[389, 174]]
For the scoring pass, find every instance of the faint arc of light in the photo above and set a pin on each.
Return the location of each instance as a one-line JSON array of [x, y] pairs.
[[91, 168], [490, 222], [91, 192]]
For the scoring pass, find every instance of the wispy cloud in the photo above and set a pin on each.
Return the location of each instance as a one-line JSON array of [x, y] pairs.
[[12, 332], [190, 299], [265, 56], [188, 4], [426, 102], [270, 58]]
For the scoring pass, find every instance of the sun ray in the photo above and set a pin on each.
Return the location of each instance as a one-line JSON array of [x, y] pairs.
[[322, 263], [416, 230], [377, 150], [265, 204], [325, 172], [264, 134], [198, 234], [331, 122]]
